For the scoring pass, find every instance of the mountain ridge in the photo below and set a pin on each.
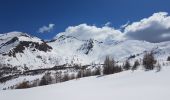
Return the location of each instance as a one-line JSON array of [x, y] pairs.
[[35, 57], [65, 49]]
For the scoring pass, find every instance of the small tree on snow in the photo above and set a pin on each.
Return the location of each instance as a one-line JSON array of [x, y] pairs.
[[149, 61], [127, 65], [108, 66], [168, 59], [79, 74], [97, 71], [65, 77], [58, 76], [46, 79], [158, 67], [135, 66]]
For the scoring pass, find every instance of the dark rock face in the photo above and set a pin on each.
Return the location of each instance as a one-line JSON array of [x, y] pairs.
[[43, 47], [87, 47], [25, 44], [10, 41]]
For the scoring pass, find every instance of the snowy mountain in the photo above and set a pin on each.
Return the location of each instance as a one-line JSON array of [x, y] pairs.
[[94, 51], [20, 49], [22, 55]]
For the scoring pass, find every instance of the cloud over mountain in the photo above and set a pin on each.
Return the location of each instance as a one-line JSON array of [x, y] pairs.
[[46, 29], [84, 32], [155, 28]]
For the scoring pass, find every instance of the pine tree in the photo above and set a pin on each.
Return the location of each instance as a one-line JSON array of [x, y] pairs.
[[108, 67], [65, 77], [135, 66], [168, 59], [79, 74], [149, 61], [43, 81], [127, 65], [97, 71], [117, 69]]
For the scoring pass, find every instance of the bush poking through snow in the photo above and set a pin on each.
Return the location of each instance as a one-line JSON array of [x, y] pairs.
[[97, 71], [46, 79], [23, 85], [58, 76], [65, 77], [79, 74], [87, 73]]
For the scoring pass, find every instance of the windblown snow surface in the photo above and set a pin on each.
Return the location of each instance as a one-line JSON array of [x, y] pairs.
[[127, 85]]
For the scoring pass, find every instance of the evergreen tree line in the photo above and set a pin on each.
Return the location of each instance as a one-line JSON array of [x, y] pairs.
[[109, 67], [149, 63], [58, 77]]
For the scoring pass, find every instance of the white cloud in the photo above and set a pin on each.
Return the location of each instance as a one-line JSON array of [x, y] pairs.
[[108, 24], [156, 28], [125, 25], [84, 32], [46, 29]]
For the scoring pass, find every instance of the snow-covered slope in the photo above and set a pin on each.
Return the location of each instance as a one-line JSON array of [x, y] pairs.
[[93, 51], [126, 85], [20, 53], [20, 49]]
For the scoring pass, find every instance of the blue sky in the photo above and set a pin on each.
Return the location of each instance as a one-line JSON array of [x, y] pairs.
[[28, 16]]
